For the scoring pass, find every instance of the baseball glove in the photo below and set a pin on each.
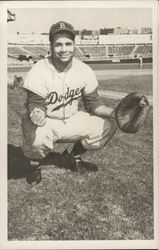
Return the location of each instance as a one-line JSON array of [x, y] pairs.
[[131, 112]]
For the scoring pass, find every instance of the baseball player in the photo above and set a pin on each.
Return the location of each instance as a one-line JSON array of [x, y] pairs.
[[55, 85]]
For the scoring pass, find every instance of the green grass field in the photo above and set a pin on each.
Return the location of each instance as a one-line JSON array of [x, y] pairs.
[[114, 203]]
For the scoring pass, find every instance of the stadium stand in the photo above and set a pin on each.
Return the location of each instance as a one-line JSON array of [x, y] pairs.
[[115, 51], [88, 48], [120, 50], [37, 50], [78, 53], [84, 52], [93, 50], [143, 49], [16, 51]]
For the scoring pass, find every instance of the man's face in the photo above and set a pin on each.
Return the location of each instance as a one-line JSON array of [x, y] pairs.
[[62, 48]]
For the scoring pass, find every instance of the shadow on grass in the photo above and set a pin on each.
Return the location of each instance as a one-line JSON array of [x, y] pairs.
[[18, 163]]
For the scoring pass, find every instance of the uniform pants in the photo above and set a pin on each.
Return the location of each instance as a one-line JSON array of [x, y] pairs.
[[93, 132]]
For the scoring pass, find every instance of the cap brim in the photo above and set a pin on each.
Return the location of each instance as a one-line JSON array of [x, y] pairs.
[[64, 30]]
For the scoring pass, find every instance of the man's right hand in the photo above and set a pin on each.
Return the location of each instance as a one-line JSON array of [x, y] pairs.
[[38, 117]]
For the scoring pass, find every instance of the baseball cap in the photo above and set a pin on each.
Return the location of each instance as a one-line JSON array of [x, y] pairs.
[[61, 26]]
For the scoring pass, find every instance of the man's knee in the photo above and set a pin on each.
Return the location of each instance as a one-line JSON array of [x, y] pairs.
[[37, 141], [32, 152], [102, 135], [39, 148]]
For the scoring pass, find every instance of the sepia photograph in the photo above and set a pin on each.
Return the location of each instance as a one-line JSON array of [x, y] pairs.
[[81, 114]]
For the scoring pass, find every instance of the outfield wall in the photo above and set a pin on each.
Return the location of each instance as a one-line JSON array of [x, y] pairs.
[[38, 39], [125, 39]]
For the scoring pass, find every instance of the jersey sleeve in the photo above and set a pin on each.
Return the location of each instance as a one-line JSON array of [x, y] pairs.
[[90, 81], [90, 95], [35, 101], [35, 81], [91, 101]]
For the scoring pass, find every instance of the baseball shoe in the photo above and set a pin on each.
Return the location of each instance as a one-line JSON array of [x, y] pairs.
[[34, 173], [77, 164], [68, 161]]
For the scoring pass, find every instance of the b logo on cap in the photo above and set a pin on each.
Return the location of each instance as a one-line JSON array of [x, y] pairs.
[[62, 25]]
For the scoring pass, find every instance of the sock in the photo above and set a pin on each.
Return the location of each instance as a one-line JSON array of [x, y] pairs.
[[78, 149], [77, 158], [35, 164]]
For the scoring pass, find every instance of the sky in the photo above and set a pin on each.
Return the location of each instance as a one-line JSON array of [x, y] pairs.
[[38, 20]]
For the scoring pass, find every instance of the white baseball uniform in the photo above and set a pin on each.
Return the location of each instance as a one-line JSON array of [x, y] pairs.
[[61, 93]]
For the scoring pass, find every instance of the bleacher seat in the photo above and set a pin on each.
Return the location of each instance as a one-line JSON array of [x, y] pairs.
[[94, 51], [84, 51], [36, 50], [143, 49], [120, 50], [16, 51]]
